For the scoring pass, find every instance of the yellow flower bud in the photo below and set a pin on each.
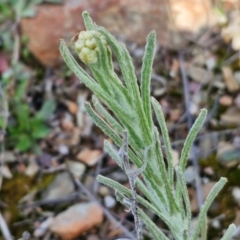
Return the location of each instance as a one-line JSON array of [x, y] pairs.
[[91, 43], [86, 45], [88, 55], [79, 44]]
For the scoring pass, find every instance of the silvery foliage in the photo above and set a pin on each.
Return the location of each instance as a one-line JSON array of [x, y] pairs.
[[132, 119]]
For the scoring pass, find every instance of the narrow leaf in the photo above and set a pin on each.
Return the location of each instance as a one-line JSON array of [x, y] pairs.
[[118, 52], [108, 131], [204, 228], [228, 234], [146, 75], [183, 185], [162, 123], [88, 21], [112, 152], [102, 124], [151, 197], [212, 195], [138, 104], [151, 226], [164, 178], [191, 137]]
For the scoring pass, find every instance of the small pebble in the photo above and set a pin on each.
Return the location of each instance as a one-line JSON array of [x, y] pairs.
[[72, 107], [226, 100], [193, 108], [32, 167], [67, 125], [109, 201], [175, 115], [89, 181], [76, 168], [63, 149], [26, 235], [103, 191], [211, 62], [216, 223], [89, 157], [67, 122], [236, 194], [209, 171]]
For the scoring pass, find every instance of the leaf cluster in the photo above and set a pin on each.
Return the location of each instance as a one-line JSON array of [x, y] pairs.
[[25, 126], [132, 106]]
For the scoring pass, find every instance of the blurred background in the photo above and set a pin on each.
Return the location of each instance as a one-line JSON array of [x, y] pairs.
[[51, 152]]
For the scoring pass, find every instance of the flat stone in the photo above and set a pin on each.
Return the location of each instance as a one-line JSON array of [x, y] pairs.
[[72, 106], [223, 147], [231, 116], [89, 157], [76, 220], [6, 173], [61, 186], [76, 168], [103, 191], [67, 122], [132, 20], [199, 74], [32, 167], [226, 100], [228, 155], [229, 79], [9, 157]]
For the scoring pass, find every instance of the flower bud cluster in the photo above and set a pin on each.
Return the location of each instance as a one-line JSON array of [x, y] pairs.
[[86, 46]]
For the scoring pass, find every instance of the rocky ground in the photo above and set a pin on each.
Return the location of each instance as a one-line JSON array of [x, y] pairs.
[[53, 151]]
